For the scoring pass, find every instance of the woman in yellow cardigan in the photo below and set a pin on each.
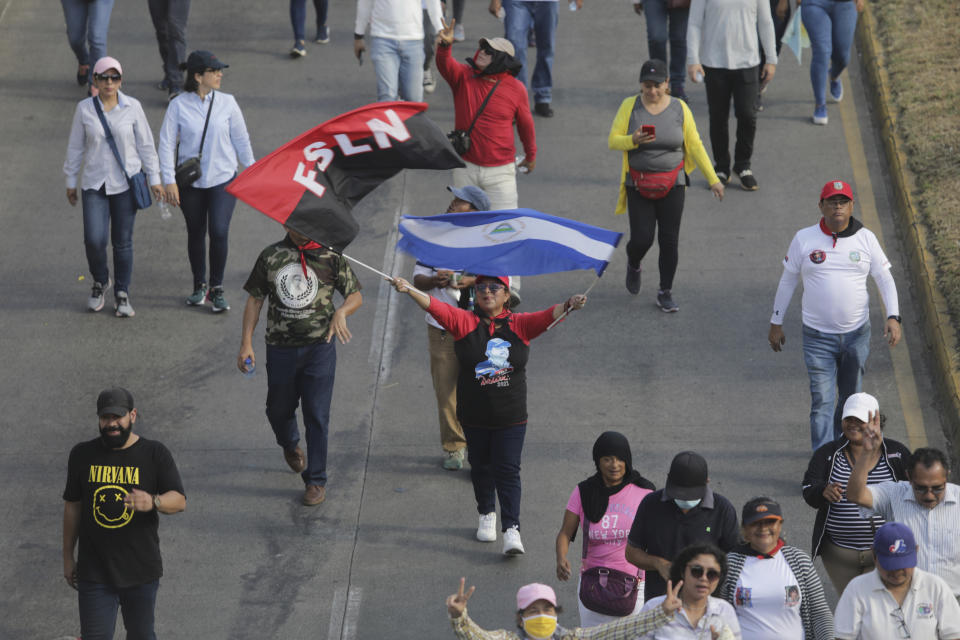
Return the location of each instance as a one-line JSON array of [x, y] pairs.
[[660, 144]]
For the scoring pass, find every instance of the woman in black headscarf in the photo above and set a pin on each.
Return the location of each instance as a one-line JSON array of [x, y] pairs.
[[606, 503]]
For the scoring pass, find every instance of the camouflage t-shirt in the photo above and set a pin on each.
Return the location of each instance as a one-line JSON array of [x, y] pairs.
[[299, 309]]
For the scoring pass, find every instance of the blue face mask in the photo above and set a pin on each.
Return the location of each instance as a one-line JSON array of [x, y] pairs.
[[686, 504]]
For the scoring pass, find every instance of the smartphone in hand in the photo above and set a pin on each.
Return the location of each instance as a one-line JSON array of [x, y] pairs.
[[648, 130]]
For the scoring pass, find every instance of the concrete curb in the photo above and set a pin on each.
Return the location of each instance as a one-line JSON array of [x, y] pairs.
[[934, 317]]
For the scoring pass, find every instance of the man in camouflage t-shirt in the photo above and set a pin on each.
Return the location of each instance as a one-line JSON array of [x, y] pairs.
[[299, 278]]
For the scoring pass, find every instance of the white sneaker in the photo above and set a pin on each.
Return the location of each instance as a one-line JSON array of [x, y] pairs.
[[511, 542], [487, 529], [97, 295], [122, 305], [458, 34], [429, 83]]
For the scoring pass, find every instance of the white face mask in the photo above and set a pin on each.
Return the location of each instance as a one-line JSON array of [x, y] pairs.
[[686, 505]]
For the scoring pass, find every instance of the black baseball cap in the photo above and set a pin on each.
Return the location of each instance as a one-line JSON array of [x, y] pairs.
[[653, 70], [199, 61], [687, 479], [760, 509], [114, 402]]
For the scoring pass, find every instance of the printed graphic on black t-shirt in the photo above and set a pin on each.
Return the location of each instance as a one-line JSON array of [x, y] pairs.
[[118, 546]]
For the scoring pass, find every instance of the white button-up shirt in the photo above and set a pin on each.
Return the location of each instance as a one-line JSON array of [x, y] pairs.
[[936, 530], [867, 611], [88, 146], [226, 140]]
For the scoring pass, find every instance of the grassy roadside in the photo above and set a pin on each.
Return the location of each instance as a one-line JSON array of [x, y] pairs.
[[921, 55]]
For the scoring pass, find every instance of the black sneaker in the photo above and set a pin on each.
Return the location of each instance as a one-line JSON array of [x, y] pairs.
[[666, 303], [747, 181], [723, 176], [543, 109], [633, 280]]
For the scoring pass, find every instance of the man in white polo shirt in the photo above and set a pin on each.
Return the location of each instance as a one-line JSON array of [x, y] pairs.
[[833, 258], [928, 504], [896, 600]]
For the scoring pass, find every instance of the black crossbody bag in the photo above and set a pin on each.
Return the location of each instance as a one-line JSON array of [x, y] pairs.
[[189, 171], [460, 138], [138, 181]]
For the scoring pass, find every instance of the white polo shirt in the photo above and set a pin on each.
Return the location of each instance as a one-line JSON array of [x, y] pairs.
[[867, 611], [834, 273], [936, 530], [767, 599]]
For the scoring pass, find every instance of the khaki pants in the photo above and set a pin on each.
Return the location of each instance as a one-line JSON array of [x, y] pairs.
[[499, 183], [843, 565], [444, 369]]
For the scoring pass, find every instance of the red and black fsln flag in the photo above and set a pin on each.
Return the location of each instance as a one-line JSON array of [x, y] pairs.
[[311, 183]]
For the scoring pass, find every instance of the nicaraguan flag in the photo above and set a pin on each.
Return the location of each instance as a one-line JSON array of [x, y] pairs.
[[520, 242]]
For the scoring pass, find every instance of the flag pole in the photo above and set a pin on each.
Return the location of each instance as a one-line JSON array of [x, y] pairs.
[[564, 314], [382, 274]]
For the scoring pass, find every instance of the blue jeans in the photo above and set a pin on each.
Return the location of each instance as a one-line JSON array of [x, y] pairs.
[[494, 456], [109, 217], [835, 364], [657, 15], [207, 209], [98, 610], [399, 68], [520, 17], [170, 24], [87, 24], [304, 376], [830, 25], [298, 16]]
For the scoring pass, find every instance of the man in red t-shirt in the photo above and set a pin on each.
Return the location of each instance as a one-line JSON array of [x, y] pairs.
[[490, 160]]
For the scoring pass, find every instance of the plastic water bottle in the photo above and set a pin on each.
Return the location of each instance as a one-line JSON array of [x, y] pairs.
[[251, 369], [501, 14], [165, 213], [698, 77], [573, 5], [520, 158]]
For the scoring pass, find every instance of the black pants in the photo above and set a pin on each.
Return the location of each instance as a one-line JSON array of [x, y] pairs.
[[662, 216], [170, 23], [742, 85]]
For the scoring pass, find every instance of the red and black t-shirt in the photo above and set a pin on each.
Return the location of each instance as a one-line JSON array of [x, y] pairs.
[[119, 546], [493, 353]]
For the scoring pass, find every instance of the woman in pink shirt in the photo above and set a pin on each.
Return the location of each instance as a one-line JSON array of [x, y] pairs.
[[606, 503]]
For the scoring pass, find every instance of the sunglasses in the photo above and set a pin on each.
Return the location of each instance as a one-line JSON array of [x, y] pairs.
[[113, 77], [488, 50], [492, 287], [213, 70], [697, 572]]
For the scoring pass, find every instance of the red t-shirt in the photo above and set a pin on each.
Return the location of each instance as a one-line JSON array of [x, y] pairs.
[[491, 141]]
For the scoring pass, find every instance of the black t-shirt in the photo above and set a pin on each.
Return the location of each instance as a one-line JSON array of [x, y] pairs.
[[118, 546], [661, 529]]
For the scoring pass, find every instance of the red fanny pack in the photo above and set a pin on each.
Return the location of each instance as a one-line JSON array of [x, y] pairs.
[[654, 185]]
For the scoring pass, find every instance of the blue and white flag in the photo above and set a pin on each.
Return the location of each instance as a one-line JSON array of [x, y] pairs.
[[520, 242], [795, 35]]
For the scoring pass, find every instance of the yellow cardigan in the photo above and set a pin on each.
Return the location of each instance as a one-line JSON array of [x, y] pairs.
[[694, 155]]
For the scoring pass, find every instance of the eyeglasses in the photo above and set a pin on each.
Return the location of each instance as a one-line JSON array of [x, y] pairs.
[[113, 77], [839, 202], [898, 616], [697, 572], [922, 490], [492, 287]]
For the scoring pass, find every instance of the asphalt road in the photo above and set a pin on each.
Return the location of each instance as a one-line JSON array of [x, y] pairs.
[[377, 559]]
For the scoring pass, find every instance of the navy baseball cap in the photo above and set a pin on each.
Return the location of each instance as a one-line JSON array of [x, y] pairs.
[[199, 61], [895, 546], [474, 195]]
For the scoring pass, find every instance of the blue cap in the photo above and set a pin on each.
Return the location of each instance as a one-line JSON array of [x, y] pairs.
[[895, 546], [474, 195]]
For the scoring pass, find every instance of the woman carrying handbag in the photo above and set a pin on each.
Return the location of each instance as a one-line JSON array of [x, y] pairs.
[[201, 140], [111, 139]]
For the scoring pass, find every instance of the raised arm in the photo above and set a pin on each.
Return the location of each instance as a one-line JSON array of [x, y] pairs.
[[857, 491]]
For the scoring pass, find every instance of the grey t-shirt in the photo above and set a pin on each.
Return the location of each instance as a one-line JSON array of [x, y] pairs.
[[666, 152]]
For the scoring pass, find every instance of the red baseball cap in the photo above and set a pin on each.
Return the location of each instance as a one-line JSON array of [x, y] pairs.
[[836, 188], [504, 279]]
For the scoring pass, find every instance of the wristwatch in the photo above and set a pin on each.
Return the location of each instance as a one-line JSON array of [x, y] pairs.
[[897, 318], [156, 502]]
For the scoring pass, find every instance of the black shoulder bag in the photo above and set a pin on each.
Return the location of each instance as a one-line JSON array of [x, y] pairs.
[[137, 182], [460, 138], [189, 171]]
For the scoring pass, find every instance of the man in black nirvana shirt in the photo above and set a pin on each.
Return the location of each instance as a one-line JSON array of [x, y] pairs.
[[117, 483]]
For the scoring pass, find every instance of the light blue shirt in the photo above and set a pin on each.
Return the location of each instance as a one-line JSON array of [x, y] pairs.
[[226, 141], [88, 146]]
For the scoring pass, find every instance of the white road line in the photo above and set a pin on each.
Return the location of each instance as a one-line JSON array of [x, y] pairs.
[[353, 614], [336, 614], [385, 317]]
